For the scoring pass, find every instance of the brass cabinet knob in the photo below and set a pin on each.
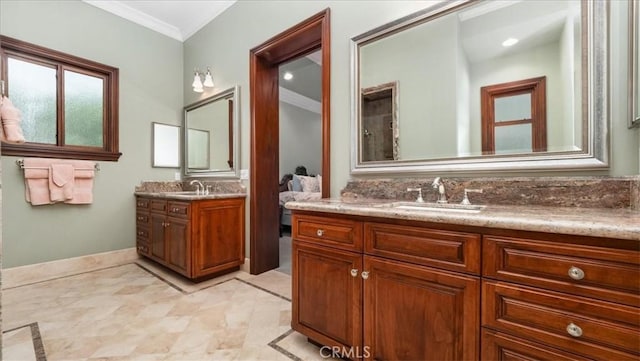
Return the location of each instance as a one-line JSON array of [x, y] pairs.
[[320, 232], [365, 275], [354, 272], [574, 330], [576, 273]]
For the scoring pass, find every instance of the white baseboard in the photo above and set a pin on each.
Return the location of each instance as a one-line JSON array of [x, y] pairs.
[[33, 273], [246, 267]]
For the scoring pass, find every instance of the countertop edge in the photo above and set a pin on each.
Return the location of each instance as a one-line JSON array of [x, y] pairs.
[[621, 224], [190, 197]]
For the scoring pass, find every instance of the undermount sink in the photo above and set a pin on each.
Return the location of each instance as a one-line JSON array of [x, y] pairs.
[[182, 193], [446, 207]]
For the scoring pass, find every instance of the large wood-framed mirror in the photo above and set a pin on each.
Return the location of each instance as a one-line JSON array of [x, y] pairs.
[[441, 58]]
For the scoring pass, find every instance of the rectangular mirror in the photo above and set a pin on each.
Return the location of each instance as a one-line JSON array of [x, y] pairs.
[[634, 60], [485, 86], [166, 145], [211, 136]]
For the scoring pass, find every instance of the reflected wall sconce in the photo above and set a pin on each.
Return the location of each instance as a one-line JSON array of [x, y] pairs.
[[198, 85]]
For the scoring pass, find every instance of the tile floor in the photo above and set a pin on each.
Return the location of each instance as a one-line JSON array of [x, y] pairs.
[[141, 311]]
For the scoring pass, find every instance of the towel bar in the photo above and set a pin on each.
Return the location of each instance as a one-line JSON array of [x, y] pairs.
[[20, 163]]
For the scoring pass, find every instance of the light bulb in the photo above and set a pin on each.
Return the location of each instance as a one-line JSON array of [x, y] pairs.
[[208, 80], [287, 76], [198, 89], [197, 83], [509, 42]]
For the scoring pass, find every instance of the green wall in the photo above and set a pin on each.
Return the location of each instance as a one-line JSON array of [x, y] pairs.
[[150, 91], [155, 73]]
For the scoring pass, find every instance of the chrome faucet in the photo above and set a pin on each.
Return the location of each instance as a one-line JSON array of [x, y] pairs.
[[419, 190], [442, 196], [199, 185]]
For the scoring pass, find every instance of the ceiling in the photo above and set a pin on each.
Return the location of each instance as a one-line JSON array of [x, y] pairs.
[[176, 19]]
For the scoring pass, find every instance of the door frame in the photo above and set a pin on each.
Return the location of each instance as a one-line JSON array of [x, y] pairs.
[[264, 221]]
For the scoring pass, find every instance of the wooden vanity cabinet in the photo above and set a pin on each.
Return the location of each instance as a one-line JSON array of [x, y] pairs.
[[194, 238], [377, 307], [398, 290]]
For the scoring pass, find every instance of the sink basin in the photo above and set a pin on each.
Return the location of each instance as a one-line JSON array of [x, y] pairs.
[[431, 207]]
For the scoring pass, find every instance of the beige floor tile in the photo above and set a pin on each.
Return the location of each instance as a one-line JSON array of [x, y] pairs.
[[134, 313]]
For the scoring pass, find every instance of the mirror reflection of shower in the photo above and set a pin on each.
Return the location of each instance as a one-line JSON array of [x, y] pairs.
[[380, 123]]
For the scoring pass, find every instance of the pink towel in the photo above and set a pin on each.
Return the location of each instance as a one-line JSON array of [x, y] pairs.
[[83, 182], [10, 116], [61, 182], [36, 174], [39, 175]]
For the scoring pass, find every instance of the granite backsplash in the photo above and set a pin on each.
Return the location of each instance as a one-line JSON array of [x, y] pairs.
[[217, 186], [584, 192]]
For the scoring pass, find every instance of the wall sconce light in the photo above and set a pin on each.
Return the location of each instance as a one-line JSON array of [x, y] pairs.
[[198, 84]]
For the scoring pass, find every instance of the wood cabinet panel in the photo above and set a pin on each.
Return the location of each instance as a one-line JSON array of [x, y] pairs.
[[456, 251], [419, 313], [335, 232], [178, 245], [598, 328], [158, 249], [503, 347], [219, 236], [196, 239], [327, 296], [607, 273]]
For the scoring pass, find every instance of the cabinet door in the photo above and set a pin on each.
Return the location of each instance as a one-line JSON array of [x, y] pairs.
[[327, 295], [178, 245], [218, 242], [158, 250], [419, 313]]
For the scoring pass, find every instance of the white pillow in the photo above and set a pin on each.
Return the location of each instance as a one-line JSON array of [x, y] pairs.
[[309, 184]]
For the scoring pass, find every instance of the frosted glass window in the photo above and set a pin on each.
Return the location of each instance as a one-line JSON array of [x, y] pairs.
[[516, 107], [513, 139], [83, 107], [33, 90]]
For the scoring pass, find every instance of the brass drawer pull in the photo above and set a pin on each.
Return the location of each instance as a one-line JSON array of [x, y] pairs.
[[354, 272], [574, 330], [140, 218], [140, 204], [320, 232], [576, 273], [140, 233], [365, 275]]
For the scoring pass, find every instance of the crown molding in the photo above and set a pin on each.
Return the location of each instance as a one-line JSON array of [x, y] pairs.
[[299, 101], [138, 17]]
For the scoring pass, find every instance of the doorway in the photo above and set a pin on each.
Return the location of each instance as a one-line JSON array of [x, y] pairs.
[[308, 36]]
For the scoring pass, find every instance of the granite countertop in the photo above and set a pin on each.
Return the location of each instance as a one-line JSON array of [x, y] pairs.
[[190, 195], [596, 222]]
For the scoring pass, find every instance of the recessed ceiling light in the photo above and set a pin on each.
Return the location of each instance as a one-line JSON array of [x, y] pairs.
[[287, 76], [510, 42]]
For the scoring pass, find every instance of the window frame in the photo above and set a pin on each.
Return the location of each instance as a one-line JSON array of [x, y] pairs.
[[61, 61], [536, 87]]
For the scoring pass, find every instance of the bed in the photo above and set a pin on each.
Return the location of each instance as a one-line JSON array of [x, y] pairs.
[[297, 188]]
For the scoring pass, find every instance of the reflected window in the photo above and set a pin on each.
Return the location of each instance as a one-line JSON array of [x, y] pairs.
[[514, 117], [69, 105]]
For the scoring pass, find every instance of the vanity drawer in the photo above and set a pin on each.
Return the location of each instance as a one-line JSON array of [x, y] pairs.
[[142, 233], [178, 209], [505, 347], [604, 273], [158, 206], [577, 324], [142, 203], [142, 218], [335, 232], [142, 247], [451, 250]]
